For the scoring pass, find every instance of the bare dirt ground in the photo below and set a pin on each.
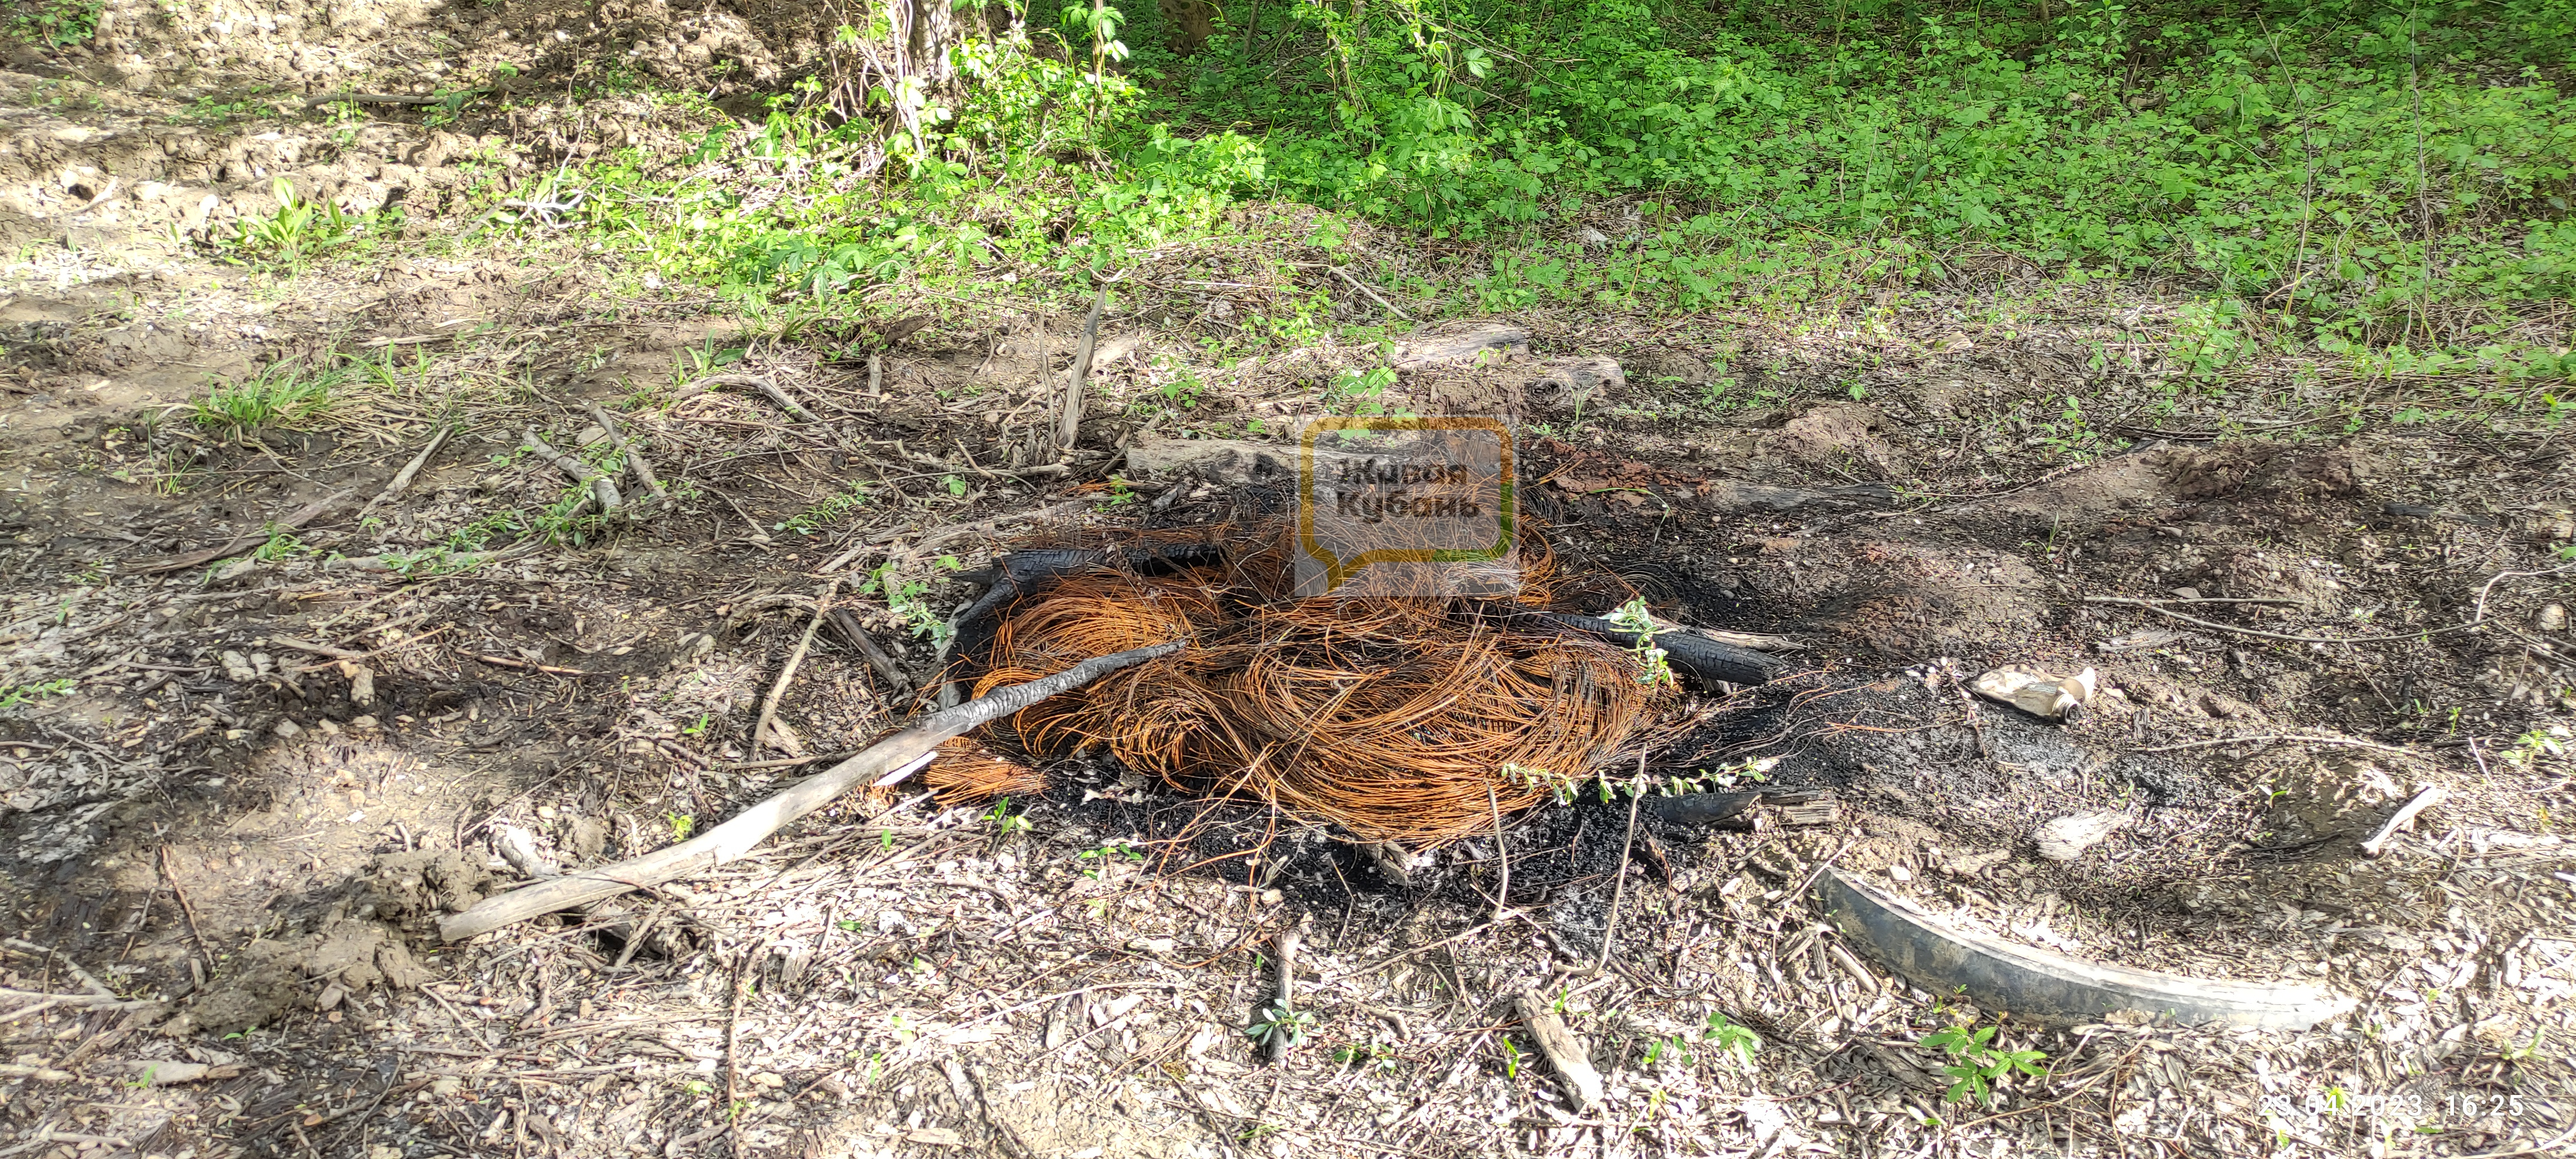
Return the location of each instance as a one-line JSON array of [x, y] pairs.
[[226, 840]]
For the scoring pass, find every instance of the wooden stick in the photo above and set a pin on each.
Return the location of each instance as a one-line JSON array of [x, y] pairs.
[[867, 646], [241, 543], [1564, 1051], [402, 479], [2405, 816], [634, 456], [2271, 737], [1283, 1005], [733, 839], [876, 375], [1362, 287], [787, 675], [1069, 418], [319, 100], [603, 490], [1619, 884], [759, 382]]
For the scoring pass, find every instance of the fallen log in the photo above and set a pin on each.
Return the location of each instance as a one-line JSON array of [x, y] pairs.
[[883, 763]]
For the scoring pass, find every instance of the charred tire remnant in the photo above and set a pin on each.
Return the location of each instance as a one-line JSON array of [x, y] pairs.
[[1703, 660], [2051, 988], [1022, 573]]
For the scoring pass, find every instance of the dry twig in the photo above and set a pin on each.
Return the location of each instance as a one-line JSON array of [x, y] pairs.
[[787, 675], [731, 840]]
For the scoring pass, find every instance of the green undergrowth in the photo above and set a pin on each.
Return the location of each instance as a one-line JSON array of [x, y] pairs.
[[2383, 187]]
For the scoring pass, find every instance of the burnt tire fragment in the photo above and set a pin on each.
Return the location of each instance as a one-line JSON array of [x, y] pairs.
[[2051, 988], [1703, 660]]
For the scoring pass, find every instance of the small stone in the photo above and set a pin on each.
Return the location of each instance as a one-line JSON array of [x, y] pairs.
[[288, 730], [2550, 618], [2042, 694], [2066, 838], [1899, 873], [232, 571], [446, 1088], [767, 1081], [363, 724]]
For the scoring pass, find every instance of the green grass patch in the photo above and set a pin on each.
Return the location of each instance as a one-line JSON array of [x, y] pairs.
[[2384, 188], [280, 394]]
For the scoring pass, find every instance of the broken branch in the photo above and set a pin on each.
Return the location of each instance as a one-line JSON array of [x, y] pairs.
[[787, 675], [1069, 417], [241, 543], [759, 382], [633, 455], [603, 490], [402, 479], [2405, 816], [733, 839]]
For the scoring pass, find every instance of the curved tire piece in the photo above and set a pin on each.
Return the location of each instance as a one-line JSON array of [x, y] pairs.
[[2052, 988], [1704, 660]]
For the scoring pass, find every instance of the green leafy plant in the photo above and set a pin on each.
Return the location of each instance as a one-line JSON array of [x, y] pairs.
[[1276, 1022], [907, 598], [830, 510], [11, 696], [682, 825], [1004, 821], [1107, 853], [1653, 666], [1731, 1038], [296, 232], [1361, 392], [55, 23], [1977, 1064]]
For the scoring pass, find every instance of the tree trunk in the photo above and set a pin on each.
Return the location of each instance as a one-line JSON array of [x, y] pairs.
[[930, 30]]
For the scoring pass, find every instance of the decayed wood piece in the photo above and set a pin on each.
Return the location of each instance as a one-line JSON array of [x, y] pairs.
[[731, 840], [1246, 460], [603, 490], [241, 543], [2066, 838], [1811, 813], [934, 538], [2405, 816], [1564, 1051]]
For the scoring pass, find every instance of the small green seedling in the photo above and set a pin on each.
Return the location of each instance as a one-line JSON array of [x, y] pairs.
[[1977, 1063]]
